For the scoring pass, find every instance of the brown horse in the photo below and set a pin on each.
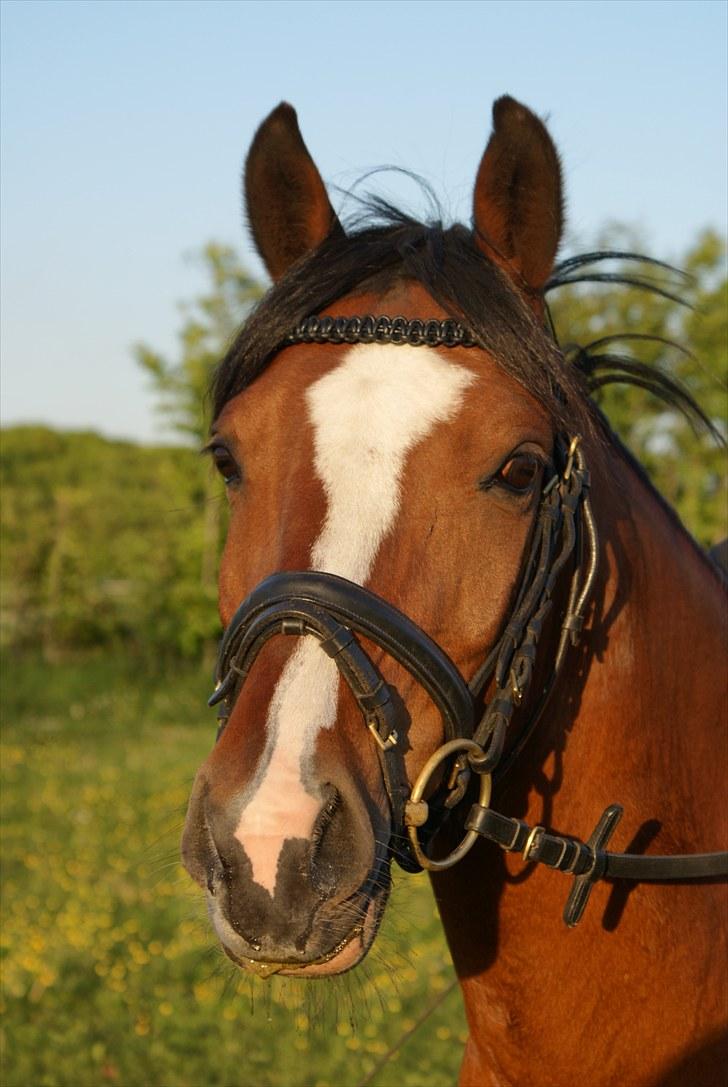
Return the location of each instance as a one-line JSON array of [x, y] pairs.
[[446, 472]]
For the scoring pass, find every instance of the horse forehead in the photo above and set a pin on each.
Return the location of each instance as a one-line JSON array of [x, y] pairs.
[[367, 414], [382, 396], [391, 394], [378, 402], [278, 401]]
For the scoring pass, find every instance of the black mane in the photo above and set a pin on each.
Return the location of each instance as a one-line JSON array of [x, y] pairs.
[[449, 265], [389, 246]]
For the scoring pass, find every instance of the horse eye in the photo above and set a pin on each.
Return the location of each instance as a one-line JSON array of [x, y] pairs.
[[225, 465], [520, 472]]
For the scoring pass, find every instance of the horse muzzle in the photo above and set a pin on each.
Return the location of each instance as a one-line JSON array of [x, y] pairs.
[[322, 907]]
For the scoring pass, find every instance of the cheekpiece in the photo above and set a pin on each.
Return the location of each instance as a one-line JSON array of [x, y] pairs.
[[416, 332]]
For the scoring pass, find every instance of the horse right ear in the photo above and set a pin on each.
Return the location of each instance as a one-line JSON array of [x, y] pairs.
[[288, 209], [518, 203]]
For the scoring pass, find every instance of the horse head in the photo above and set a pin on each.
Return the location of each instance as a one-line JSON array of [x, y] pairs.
[[407, 456]]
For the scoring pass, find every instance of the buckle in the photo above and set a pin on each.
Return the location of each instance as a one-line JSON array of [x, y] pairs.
[[571, 456], [385, 744]]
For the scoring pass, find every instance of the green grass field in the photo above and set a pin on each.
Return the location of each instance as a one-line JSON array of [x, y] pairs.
[[110, 973]]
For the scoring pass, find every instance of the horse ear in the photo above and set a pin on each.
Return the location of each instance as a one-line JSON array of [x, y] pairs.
[[518, 203], [288, 209]]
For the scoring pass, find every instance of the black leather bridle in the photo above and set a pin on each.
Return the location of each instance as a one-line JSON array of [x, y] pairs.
[[337, 611]]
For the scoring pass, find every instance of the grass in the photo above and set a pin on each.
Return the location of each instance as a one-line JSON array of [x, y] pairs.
[[110, 973]]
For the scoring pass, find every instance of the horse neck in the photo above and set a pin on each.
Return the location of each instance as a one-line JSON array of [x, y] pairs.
[[636, 719], [651, 706]]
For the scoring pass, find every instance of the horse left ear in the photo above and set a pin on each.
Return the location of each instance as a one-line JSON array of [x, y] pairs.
[[518, 205], [288, 208]]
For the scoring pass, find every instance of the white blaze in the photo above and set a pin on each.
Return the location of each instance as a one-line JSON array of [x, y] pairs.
[[367, 414]]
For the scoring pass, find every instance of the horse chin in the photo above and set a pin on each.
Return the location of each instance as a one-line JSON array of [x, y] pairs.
[[348, 952], [344, 955]]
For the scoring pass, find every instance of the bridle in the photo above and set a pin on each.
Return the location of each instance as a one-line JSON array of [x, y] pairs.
[[476, 716]]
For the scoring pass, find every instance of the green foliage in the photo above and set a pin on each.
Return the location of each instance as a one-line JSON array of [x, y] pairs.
[[108, 543], [103, 544], [111, 973], [181, 386], [687, 468], [210, 323]]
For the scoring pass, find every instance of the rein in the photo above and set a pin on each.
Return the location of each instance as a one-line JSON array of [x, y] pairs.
[[335, 610]]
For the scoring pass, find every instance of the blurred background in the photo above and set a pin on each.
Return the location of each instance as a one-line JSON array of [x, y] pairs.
[[125, 270]]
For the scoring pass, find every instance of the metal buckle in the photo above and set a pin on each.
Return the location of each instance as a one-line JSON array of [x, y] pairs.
[[385, 745], [516, 691], [570, 456], [532, 840]]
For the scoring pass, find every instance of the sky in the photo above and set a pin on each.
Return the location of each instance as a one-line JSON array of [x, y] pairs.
[[125, 124]]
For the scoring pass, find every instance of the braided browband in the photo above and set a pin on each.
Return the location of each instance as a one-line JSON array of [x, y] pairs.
[[397, 330]]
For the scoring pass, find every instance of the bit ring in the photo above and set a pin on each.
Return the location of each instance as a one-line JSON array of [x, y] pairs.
[[413, 816]]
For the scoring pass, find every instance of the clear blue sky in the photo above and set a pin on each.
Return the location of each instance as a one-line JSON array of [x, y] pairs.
[[125, 125]]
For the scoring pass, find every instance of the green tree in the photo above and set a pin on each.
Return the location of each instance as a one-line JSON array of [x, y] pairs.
[[688, 468], [210, 321], [181, 384]]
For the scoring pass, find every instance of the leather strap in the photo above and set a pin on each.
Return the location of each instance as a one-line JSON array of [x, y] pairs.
[[361, 611], [588, 862]]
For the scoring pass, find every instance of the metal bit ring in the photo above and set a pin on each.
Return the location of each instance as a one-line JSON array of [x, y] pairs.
[[414, 806]]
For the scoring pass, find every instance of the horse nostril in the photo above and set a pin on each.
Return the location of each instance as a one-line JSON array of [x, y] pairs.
[[321, 867], [341, 849], [215, 876]]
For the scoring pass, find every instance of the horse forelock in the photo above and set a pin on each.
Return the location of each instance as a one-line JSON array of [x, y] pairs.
[[448, 264]]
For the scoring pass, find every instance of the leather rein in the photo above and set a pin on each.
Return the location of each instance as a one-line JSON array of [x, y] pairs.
[[336, 611]]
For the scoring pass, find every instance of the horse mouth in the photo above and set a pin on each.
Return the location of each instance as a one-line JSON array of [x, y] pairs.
[[344, 955]]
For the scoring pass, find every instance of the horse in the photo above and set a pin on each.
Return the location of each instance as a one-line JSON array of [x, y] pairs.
[[422, 489]]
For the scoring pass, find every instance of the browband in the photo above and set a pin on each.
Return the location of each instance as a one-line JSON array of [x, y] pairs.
[[417, 332]]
